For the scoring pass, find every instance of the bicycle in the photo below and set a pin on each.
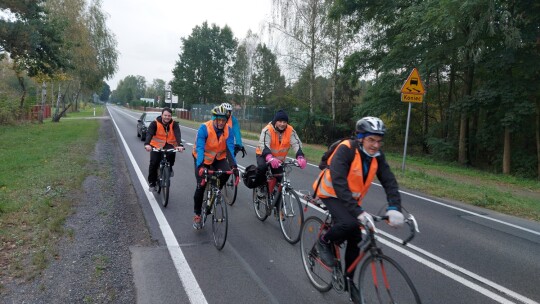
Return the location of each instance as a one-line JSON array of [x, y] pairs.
[[164, 175], [284, 201], [376, 269], [230, 190], [213, 204]]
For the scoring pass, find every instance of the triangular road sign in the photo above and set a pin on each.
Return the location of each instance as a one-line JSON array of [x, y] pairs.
[[413, 85]]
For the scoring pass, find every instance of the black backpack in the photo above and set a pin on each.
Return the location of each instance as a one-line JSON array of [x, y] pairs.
[[251, 178], [323, 164]]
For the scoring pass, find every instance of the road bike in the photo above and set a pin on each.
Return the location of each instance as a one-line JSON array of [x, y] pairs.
[[283, 200], [213, 205], [380, 278], [230, 190], [164, 175]]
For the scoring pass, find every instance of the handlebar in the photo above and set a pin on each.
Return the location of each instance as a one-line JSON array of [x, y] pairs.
[[410, 221], [287, 163], [208, 172], [164, 150]]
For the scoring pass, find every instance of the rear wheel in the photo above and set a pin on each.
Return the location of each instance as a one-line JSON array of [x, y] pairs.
[[260, 202], [291, 216], [219, 222], [382, 280], [165, 185], [319, 274], [230, 191]]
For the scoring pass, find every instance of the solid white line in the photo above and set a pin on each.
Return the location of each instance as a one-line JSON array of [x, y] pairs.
[[187, 278], [469, 212]]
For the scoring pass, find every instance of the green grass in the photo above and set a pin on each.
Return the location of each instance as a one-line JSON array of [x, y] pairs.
[[41, 166], [86, 110]]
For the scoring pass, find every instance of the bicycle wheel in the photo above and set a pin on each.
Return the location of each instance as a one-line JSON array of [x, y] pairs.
[[382, 280], [260, 202], [230, 191], [319, 275], [165, 183], [291, 216], [219, 222]]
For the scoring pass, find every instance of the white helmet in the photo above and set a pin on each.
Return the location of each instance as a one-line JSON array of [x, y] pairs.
[[370, 125], [227, 106]]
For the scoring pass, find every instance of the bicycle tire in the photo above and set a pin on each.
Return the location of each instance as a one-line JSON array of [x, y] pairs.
[[230, 191], [388, 284], [260, 203], [291, 216], [165, 185], [319, 275], [219, 222]]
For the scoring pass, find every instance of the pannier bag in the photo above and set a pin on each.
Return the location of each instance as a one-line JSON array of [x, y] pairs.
[[250, 177]]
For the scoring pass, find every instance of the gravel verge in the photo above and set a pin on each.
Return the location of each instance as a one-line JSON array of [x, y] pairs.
[[93, 264]]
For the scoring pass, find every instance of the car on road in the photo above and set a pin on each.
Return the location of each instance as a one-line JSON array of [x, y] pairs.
[[144, 121]]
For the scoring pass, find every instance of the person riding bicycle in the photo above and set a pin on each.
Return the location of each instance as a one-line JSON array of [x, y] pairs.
[[213, 149], [162, 133], [274, 143], [342, 186], [232, 122]]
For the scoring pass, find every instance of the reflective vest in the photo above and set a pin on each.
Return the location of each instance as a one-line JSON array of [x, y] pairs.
[[163, 137], [355, 179], [215, 148], [278, 148]]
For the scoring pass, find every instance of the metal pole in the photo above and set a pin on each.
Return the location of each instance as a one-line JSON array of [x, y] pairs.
[[406, 138]]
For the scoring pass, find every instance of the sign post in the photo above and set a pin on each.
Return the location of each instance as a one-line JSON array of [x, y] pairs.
[[168, 94], [411, 91]]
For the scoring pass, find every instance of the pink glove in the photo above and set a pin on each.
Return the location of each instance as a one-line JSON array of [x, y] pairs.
[[302, 162], [274, 162]]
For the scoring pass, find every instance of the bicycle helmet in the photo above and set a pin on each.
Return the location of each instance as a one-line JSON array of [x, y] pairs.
[[219, 111], [371, 125], [227, 106]]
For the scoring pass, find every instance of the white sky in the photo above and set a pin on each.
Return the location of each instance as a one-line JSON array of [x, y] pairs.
[[148, 32]]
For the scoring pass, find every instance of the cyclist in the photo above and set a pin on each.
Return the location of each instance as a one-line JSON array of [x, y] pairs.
[[162, 133], [342, 186], [213, 149], [232, 122], [274, 143]]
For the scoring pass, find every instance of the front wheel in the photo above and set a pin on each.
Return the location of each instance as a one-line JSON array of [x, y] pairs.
[[219, 222], [260, 202], [230, 191], [291, 216], [382, 280], [319, 274], [164, 185]]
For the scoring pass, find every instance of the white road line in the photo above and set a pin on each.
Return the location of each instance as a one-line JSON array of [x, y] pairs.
[[448, 264], [187, 278]]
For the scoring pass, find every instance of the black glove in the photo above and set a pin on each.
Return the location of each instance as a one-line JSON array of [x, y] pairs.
[[235, 170], [243, 151]]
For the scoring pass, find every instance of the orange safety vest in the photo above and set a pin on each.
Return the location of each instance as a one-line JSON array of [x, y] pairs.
[[355, 179], [279, 149], [163, 137], [215, 148]]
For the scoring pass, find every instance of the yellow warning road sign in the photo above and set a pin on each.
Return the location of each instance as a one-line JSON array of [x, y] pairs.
[[413, 85]]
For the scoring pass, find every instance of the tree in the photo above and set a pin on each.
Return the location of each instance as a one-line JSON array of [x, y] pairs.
[[201, 71], [267, 79], [303, 24], [33, 40], [243, 69], [105, 92]]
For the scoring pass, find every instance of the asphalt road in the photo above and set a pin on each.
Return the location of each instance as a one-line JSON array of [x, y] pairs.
[[463, 254]]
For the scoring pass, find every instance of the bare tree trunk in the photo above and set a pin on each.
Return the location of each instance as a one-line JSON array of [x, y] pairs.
[[506, 151], [425, 129], [463, 131], [462, 146]]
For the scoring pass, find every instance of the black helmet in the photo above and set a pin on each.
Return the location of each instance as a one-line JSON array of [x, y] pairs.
[[371, 125]]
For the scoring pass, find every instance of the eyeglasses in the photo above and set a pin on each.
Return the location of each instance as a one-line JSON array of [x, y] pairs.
[[371, 141]]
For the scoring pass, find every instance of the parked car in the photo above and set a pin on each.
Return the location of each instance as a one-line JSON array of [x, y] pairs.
[[144, 121]]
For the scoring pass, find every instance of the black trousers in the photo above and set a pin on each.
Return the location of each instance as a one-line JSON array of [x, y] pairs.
[[199, 191], [155, 159], [262, 167], [345, 228]]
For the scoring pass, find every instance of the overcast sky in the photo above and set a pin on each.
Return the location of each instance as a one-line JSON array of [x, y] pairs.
[[148, 32]]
